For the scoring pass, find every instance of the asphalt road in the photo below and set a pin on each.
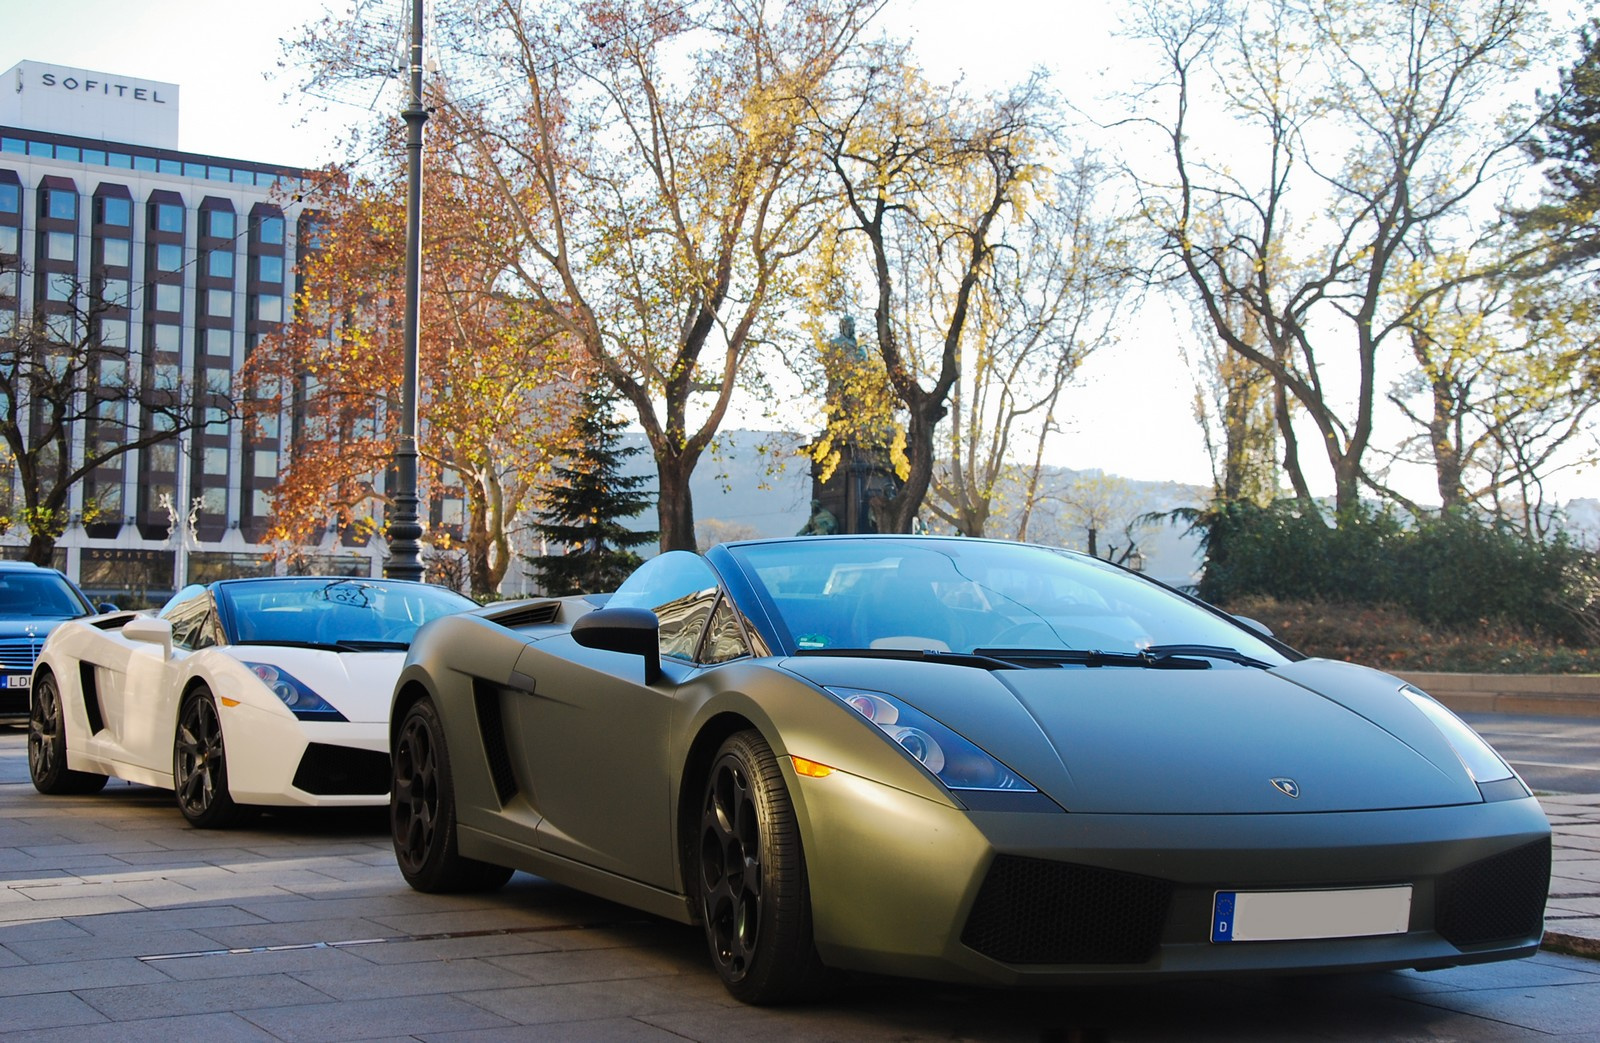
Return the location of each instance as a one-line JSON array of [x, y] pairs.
[[1553, 754]]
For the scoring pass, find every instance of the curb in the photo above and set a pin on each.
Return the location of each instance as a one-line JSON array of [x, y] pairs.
[[1571, 944]]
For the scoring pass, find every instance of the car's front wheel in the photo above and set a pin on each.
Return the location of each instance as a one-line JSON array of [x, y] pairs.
[[755, 901], [200, 766], [422, 811], [47, 745]]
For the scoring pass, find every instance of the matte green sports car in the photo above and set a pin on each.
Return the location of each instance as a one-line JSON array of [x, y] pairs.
[[961, 760]]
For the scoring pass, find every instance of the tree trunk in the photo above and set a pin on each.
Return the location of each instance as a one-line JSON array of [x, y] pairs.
[[674, 504]]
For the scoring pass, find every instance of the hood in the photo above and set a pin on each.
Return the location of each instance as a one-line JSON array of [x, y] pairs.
[[357, 684], [36, 626], [1121, 740]]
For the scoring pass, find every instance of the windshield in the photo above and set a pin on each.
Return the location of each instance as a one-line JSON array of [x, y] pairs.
[[332, 611], [39, 594], [961, 595]]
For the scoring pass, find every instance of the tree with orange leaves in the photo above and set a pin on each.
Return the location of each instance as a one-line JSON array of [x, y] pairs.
[[497, 380]]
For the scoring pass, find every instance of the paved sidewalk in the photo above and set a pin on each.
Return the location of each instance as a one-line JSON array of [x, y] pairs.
[[120, 923], [1572, 915]]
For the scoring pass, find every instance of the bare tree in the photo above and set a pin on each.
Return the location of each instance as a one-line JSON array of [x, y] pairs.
[[1384, 122], [74, 401]]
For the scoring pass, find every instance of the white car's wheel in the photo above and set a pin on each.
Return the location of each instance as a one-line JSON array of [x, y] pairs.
[[47, 745], [200, 766]]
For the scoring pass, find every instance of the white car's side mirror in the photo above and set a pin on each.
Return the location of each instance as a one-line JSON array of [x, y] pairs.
[[151, 630]]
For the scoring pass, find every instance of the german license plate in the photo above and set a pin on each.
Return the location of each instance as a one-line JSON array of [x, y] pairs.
[[19, 680], [1273, 916]]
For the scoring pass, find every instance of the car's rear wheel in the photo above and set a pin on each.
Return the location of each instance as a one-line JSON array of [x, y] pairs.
[[422, 811], [755, 901], [47, 745], [200, 766]]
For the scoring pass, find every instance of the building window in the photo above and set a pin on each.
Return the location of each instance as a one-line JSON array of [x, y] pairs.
[[8, 283], [115, 210], [166, 379], [169, 217], [163, 457], [169, 257], [265, 464], [219, 224], [219, 380], [269, 269], [169, 297], [219, 342], [113, 333], [8, 322], [117, 293], [269, 308], [62, 204], [219, 303], [116, 253], [260, 502], [60, 286], [166, 337], [9, 237], [219, 263], [61, 246], [10, 199], [215, 461], [213, 501]]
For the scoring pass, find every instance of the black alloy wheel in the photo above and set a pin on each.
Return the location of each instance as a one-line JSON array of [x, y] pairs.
[[200, 766], [47, 745], [755, 901], [422, 811]]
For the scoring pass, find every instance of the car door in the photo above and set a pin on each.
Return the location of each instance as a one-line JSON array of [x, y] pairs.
[[149, 698], [594, 738]]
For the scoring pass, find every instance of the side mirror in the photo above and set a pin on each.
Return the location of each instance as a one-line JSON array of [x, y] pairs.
[[1254, 624], [150, 630], [106, 606], [632, 631]]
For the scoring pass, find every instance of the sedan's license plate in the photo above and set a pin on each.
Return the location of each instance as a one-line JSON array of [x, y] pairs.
[[1271, 916], [19, 680]]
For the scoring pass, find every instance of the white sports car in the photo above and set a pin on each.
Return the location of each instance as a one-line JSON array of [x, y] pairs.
[[238, 694]]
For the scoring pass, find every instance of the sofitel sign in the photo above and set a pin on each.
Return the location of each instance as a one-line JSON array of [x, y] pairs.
[[121, 90]]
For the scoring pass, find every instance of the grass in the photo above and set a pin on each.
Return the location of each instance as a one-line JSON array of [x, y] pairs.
[[1391, 639]]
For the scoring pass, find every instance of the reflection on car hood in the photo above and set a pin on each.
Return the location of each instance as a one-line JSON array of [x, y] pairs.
[[358, 684], [1128, 740]]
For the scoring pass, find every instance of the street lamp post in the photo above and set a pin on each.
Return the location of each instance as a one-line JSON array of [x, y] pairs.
[[405, 560]]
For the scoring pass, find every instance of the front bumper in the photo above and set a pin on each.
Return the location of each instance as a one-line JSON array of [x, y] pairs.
[[276, 760], [904, 885]]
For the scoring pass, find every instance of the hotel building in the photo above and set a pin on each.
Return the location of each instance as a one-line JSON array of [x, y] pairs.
[[190, 260]]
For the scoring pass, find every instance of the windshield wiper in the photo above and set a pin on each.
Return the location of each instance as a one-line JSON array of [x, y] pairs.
[[1232, 655], [288, 643], [975, 658], [1096, 657]]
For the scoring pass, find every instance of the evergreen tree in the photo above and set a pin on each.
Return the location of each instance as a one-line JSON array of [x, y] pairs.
[[586, 501], [1568, 146]]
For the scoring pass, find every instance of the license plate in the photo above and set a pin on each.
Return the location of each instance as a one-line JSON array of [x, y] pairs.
[[19, 680], [1273, 916]]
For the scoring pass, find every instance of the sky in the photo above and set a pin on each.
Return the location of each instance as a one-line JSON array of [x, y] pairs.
[[1130, 411]]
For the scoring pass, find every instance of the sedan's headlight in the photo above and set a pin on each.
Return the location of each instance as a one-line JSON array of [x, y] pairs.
[[295, 694], [953, 760], [1477, 756]]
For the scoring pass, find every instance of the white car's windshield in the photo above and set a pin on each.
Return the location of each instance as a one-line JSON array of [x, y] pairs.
[[970, 595], [333, 611]]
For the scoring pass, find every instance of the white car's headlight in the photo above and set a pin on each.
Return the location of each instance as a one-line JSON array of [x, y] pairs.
[[304, 703], [1477, 756]]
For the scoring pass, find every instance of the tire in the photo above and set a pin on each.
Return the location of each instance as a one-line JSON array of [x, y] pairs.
[[755, 902], [47, 745], [422, 811], [200, 766]]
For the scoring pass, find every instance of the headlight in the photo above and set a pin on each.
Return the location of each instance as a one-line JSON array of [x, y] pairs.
[[300, 699], [954, 761], [1477, 756]]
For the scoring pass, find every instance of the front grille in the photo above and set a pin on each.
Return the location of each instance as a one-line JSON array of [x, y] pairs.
[[13, 702], [1495, 899], [1030, 910], [336, 770], [19, 653]]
